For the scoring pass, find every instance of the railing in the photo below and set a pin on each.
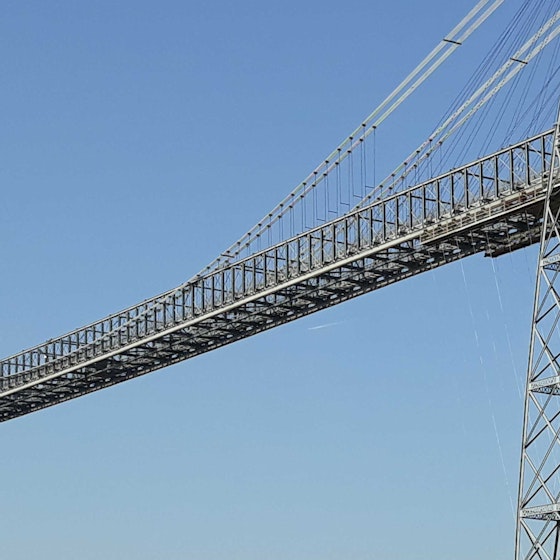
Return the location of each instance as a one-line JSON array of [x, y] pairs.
[[429, 210]]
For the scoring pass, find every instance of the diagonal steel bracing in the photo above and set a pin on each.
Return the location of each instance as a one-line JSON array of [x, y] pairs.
[[492, 205], [538, 520]]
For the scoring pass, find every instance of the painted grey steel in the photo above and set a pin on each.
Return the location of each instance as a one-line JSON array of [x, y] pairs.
[[492, 205], [538, 519]]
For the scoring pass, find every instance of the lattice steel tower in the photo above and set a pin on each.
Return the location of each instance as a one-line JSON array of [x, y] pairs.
[[538, 516]]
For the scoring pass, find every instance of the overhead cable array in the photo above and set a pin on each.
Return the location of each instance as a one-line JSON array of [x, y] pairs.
[[421, 73], [476, 101]]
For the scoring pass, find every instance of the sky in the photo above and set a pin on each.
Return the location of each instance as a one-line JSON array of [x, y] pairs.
[[139, 140]]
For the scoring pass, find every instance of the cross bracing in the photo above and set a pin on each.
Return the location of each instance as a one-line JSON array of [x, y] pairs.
[[538, 521], [492, 205]]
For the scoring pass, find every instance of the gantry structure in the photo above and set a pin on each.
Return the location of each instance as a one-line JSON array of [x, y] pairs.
[[492, 205], [328, 242]]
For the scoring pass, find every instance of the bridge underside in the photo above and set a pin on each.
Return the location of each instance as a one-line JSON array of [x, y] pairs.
[[514, 224], [493, 206]]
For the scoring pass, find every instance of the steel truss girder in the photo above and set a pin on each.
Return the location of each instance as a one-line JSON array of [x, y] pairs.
[[369, 248], [362, 276]]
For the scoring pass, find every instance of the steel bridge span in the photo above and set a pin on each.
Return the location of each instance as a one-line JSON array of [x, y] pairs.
[[492, 205]]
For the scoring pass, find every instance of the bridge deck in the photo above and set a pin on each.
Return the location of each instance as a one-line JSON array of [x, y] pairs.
[[492, 205]]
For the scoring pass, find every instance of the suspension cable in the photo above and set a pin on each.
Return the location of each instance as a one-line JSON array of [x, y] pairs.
[[435, 58], [478, 99]]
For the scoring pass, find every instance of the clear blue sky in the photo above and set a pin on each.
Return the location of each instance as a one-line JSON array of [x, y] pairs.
[[140, 139]]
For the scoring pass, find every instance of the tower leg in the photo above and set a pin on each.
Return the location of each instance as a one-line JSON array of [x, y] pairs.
[[538, 515]]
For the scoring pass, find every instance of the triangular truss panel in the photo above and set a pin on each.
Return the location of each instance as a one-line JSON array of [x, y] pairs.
[[538, 525]]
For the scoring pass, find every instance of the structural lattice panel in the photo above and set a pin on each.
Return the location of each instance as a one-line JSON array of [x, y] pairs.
[[538, 527], [492, 205]]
